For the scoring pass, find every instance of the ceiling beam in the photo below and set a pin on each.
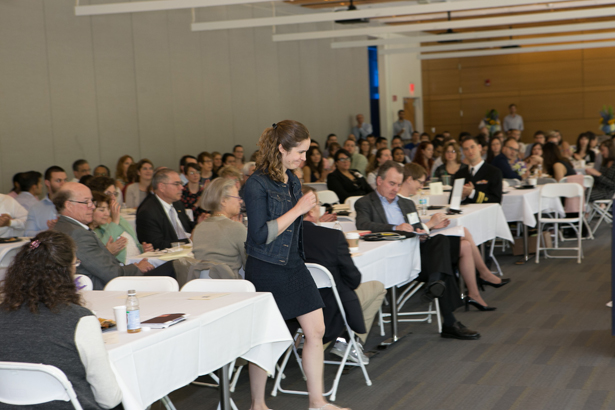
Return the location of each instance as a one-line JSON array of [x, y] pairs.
[[562, 28], [521, 50], [501, 43], [359, 14], [444, 25], [155, 5]]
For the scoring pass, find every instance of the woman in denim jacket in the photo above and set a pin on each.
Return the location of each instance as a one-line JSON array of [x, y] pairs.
[[275, 262]]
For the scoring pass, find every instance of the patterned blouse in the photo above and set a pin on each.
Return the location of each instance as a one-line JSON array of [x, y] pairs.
[[191, 201]]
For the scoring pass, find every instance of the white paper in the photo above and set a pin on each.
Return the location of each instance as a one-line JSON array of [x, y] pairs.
[[457, 192], [435, 188]]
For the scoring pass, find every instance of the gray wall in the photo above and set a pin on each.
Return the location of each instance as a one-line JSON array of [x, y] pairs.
[[145, 85]]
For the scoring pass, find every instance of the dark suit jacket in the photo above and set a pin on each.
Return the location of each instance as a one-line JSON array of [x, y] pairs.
[[371, 216], [97, 262], [501, 162], [154, 226], [328, 247], [487, 183]]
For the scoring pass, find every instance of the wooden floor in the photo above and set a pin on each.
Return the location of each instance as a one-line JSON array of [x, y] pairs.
[[547, 346]]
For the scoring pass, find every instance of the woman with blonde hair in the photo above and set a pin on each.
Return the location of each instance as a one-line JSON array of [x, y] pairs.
[[275, 262]]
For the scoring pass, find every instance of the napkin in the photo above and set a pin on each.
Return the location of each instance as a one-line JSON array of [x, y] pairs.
[[435, 188]]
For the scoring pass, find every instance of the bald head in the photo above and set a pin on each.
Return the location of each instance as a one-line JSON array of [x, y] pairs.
[[75, 201]]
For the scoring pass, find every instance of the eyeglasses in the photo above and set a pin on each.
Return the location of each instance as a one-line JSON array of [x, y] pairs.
[[111, 193], [451, 152], [422, 182], [177, 184], [344, 159], [76, 263], [513, 149], [236, 197], [88, 202]]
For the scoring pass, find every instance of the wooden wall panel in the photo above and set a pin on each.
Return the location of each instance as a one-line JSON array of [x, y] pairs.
[[598, 73], [443, 82], [483, 61], [541, 76], [446, 64], [551, 106], [599, 53], [551, 56], [445, 112], [504, 78]]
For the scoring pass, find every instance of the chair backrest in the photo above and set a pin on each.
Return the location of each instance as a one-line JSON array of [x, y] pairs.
[[588, 181], [8, 257], [566, 190], [512, 182], [323, 279], [84, 283], [28, 383], [351, 200], [544, 181], [328, 197], [143, 284], [218, 285]]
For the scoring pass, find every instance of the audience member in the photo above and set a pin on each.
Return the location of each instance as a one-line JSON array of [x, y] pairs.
[[382, 143], [330, 139], [43, 320], [185, 160], [102, 171], [314, 169], [556, 137], [344, 181], [206, 163], [362, 129], [43, 215], [217, 158], [513, 121], [371, 138], [451, 161], [31, 189], [239, 157], [604, 180], [464, 251], [229, 159], [536, 152], [121, 171], [384, 211], [84, 179], [12, 217], [399, 155], [81, 168], [582, 150], [16, 189], [74, 204], [396, 142], [382, 156], [415, 140], [402, 127], [248, 169], [141, 188], [364, 148], [495, 149], [508, 161], [539, 137], [361, 301], [424, 156], [554, 164], [483, 182], [220, 237], [330, 164], [358, 161], [192, 191], [161, 218]]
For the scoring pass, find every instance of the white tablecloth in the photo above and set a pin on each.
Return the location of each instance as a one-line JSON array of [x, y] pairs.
[[522, 205], [156, 261], [393, 263], [132, 220], [150, 365]]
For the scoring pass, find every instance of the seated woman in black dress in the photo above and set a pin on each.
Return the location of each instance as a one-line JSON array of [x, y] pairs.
[[346, 182], [314, 169], [583, 151], [554, 163], [43, 321]]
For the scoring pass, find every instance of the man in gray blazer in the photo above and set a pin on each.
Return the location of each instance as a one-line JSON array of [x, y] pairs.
[[384, 211], [75, 207]]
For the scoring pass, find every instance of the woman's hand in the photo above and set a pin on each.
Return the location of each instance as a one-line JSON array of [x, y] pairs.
[[438, 221], [147, 247], [115, 211], [116, 247], [306, 203], [593, 172]]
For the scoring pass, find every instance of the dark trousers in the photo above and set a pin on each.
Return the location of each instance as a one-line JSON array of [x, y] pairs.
[[438, 254], [166, 269]]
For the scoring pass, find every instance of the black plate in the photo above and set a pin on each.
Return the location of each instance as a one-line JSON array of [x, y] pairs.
[[525, 187], [10, 240]]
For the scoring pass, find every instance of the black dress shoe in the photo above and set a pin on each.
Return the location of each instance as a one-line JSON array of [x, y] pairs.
[[459, 331], [434, 290], [483, 282], [469, 301]]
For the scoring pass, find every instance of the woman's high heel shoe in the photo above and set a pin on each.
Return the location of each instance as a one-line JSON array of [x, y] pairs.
[[482, 282], [469, 301]]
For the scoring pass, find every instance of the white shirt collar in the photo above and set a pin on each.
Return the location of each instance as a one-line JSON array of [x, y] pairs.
[[167, 206], [73, 219], [477, 166]]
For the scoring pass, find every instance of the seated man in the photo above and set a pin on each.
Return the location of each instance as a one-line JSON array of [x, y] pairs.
[[483, 182], [74, 204], [384, 211], [161, 218], [507, 158], [12, 217], [42, 215], [31, 188], [81, 168], [328, 247]]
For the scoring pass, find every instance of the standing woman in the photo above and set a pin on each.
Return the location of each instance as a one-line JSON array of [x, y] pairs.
[[275, 262]]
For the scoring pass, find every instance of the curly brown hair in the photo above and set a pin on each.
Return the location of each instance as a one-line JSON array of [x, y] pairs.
[[287, 133], [41, 273]]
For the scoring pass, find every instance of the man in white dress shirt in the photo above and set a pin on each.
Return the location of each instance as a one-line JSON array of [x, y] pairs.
[[513, 121], [12, 217], [362, 129]]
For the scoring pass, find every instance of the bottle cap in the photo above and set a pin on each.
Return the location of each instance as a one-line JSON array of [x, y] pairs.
[[132, 292]]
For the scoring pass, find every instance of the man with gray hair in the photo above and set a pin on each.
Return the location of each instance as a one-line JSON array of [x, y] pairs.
[[161, 217], [75, 207]]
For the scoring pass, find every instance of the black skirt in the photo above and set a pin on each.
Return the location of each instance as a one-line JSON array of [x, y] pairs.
[[292, 285]]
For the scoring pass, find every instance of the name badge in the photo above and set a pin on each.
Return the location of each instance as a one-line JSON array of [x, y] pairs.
[[413, 218]]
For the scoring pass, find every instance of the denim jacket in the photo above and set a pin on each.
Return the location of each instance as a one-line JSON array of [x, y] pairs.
[[267, 200]]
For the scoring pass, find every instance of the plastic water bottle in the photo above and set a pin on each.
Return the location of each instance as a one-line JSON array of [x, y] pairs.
[[337, 225], [539, 170], [132, 312], [422, 203]]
